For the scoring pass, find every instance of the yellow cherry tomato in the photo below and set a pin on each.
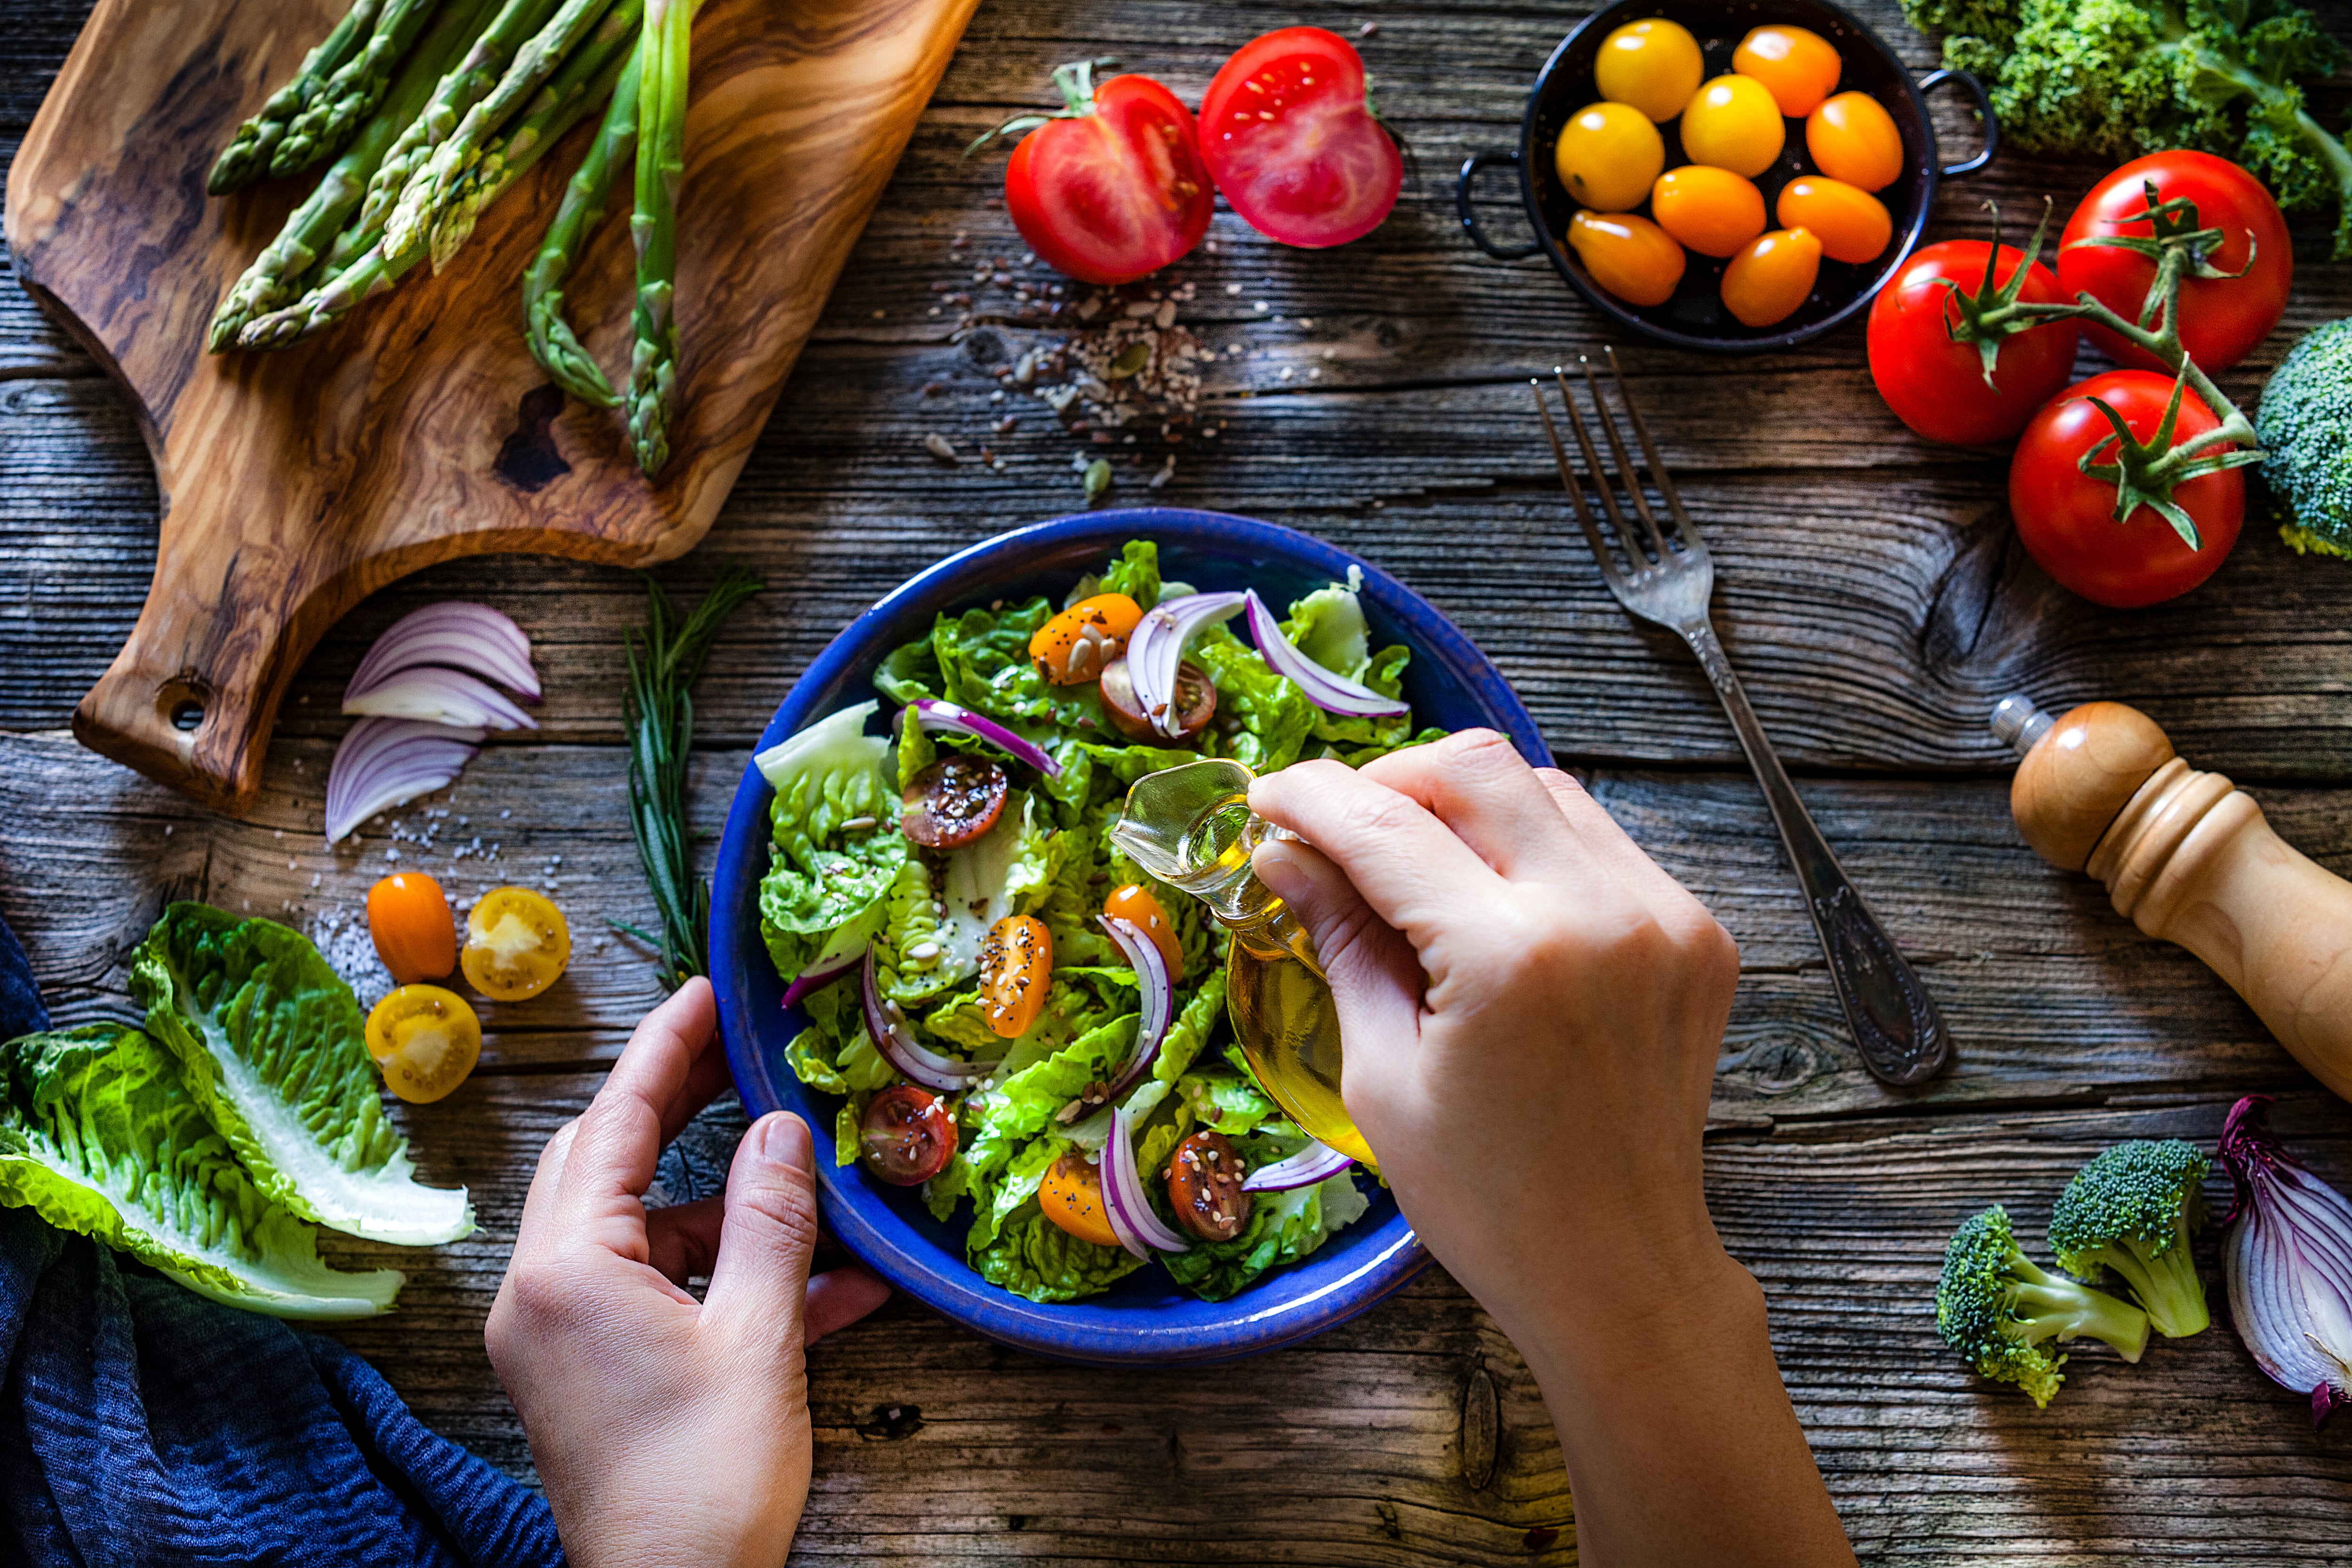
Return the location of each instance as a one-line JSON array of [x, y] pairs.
[[1733, 123], [1853, 138], [1654, 66], [1797, 66], [426, 1040], [1072, 1196], [1607, 155], [1766, 282], [1016, 970], [1630, 256], [1851, 225], [517, 944], [1072, 649], [1135, 904], [1712, 210], [415, 935]]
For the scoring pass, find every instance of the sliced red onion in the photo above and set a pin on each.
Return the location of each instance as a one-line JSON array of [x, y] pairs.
[[1124, 1202], [462, 635], [384, 762], [1315, 1163], [889, 1028], [1150, 968], [815, 979], [1332, 693], [2288, 1262], [442, 697], [1157, 646], [951, 718]]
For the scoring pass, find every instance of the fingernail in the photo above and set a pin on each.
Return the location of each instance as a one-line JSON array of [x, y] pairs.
[[783, 1139]]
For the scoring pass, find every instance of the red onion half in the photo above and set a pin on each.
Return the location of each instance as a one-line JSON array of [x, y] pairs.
[[1150, 968], [889, 1028], [1157, 646], [1332, 693], [953, 719], [462, 635], [1124, 1201], [442, 697], [387, 762], [2288, 1262], [1315, 1163]]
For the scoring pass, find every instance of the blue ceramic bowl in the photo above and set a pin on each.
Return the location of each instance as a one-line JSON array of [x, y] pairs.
[[1145, 1319]]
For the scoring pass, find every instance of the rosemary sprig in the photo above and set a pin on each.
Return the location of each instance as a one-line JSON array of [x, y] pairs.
[[660, 713]]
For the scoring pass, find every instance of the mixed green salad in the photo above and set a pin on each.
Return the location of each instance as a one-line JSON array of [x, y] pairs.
[[1012, 1012]]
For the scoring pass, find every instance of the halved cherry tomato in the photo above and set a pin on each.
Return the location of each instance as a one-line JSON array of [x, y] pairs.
[[1653, 65], [1072, 1196], [1016, 971], [1937, 385], [952, 802], [1853, 138], [1797, 66], [415, 933], [1288, 132], [1072, 649], [1630, 256], [1851, 223], [1712, 210], [426, 1040], [1607, 155], [1112, 186], [1196, 703], [1766, 282], [1135, 904], [905, 1136], [1733, 123], [517, 944], [1205, 1186]]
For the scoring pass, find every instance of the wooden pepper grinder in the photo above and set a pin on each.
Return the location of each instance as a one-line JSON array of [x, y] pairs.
[[2188, 857]]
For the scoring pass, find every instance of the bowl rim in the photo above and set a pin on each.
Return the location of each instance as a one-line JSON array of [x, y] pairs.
[[1267, 1317]]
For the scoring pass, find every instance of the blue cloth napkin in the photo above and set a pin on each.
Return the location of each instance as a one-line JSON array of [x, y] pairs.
[[141, 1423]]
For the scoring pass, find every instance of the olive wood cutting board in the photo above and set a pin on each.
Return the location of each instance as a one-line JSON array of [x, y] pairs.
[[293, 484]]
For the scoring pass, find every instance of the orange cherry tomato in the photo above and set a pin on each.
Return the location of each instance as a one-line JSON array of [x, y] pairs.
[[1072, 1196], [1713, 211], [1733, 123], [1072, 649], [426, 1040], [1630, 256], [1797, 66], [1766, 282], [1607, 155], [1853, 138], [1851, 224], [1135, 904], [1016, 970], [1653, 65], [517, 944], [416, 934]]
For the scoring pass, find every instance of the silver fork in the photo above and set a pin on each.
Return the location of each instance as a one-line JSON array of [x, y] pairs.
[[1669, 580]]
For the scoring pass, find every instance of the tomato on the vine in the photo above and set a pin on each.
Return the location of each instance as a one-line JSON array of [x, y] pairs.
[[1936, 384], [2065, 517], [2222, 318], [1288, 132], [1112, 186]]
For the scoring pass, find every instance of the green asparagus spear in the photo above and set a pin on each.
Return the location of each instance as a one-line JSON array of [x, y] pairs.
[[409, 226], [349, 97], [476, 74], [661, 168], [247, 157], [277, 274], [552, 343]]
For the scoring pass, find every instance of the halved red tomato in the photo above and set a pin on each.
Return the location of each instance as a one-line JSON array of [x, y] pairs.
[[1289, 130], [1111, 187]]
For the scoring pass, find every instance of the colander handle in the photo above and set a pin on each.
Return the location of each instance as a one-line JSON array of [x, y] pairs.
[[1470, 167], [1935, 79]]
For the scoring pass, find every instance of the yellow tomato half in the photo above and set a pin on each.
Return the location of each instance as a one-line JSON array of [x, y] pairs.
[[1135, 904], [1851, 224], [415, 934], [1734, 124], [1853, 138], [1797, 66], [517, 944], [1630, 256], [426, 1040], [1712, 210], [1607, 155], [1766, 282], [1072, 649], [1653, 66], [1072, 1196], [1016, 971]]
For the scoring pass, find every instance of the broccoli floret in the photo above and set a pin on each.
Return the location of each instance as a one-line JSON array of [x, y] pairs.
[[1998, 1310], [2305, 425], [2133, 1210]]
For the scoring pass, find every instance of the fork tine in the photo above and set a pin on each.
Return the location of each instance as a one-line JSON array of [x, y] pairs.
[[1685, 535], [1626, 473], [1601, 551], [1638, 560]]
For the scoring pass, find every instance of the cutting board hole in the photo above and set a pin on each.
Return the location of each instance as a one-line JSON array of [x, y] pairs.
[[182, 704]]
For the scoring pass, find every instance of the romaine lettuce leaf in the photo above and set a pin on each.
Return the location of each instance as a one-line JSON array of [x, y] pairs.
[[270, 1040], [823, 872], [1276, 717], [100, 1135], [1229, 1103], [1033, 1256], [1283, 1227], [1328, 627]]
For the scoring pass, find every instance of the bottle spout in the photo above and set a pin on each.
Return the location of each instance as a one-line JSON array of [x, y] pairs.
[[1192, 827], [2020, 724]]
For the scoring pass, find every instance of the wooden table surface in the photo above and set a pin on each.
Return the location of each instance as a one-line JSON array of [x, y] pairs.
[[1871, 591]]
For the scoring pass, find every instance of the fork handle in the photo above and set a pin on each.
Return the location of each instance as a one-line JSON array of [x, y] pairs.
[[1894, 1021]]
